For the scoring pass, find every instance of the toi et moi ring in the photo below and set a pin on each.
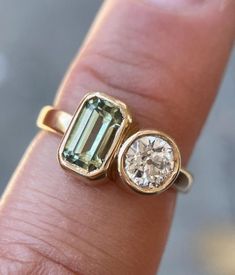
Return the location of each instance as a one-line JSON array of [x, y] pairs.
[[99, 137]]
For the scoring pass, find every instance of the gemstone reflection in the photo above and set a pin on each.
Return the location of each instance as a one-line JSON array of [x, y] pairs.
[[149, 161], [92, 134]]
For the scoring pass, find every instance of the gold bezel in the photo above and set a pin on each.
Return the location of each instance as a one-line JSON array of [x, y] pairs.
[[168, 182], [120, 135]]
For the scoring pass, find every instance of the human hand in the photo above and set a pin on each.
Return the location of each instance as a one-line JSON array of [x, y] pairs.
[[165, 62]]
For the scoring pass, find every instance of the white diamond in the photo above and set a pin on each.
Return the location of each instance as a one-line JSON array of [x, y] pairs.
[[149, 161]]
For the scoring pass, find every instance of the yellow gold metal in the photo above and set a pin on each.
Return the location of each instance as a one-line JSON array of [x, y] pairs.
[[60, 122], [53, 120]]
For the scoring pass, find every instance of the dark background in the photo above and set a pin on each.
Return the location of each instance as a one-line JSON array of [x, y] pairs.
[[38, 39]]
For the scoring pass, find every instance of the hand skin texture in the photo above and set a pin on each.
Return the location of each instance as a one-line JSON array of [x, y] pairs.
[[165, 60]]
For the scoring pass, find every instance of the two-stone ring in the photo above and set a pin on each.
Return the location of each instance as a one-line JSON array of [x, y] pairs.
[[99, 139]]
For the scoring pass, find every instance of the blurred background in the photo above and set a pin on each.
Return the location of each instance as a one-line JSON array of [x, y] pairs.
[[38, 39]]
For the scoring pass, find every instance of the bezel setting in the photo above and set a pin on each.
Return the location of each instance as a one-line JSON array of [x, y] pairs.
[[120, 135], [132, 181]]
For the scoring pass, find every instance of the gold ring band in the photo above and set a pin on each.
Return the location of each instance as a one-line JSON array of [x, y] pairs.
[[53, 120], [100, 132]]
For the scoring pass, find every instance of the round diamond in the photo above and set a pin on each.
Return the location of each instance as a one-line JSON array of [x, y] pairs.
[[149, 161]]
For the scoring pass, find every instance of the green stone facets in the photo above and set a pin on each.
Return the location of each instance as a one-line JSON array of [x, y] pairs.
[[92, 134]]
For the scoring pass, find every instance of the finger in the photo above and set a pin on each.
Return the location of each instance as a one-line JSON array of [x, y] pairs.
[[163, 54], [158, 58]]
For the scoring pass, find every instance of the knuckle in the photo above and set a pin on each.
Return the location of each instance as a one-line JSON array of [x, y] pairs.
[[133, 77]]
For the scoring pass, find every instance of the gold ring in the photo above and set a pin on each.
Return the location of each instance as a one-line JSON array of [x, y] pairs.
[[99, 137]]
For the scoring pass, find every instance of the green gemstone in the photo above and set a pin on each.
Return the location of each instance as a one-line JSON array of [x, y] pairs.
[[92, 134]]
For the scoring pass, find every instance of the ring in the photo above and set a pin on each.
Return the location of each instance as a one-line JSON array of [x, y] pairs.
[[101, 140]]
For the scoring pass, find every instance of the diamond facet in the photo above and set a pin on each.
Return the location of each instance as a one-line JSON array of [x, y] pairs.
[[149, 161]]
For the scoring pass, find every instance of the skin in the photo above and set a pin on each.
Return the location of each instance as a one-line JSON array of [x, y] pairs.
[[165, 60]]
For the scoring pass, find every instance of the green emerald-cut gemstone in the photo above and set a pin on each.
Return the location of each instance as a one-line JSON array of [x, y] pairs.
[[92, 134]]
